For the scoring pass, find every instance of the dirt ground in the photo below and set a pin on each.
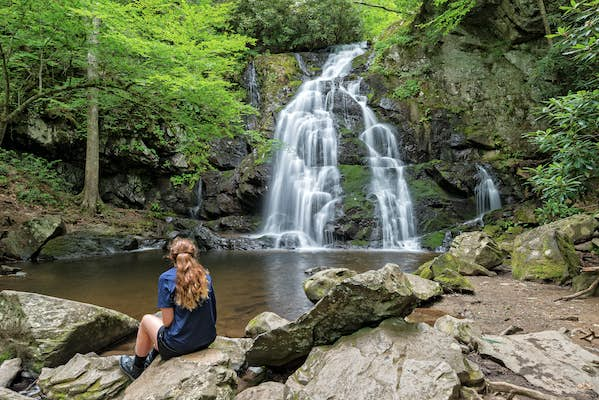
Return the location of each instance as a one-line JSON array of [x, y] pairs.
[[500, 302]]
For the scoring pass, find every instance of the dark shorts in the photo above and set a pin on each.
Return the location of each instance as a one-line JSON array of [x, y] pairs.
[[165, 351]]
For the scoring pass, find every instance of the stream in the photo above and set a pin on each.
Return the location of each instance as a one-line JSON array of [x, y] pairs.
[[246, 283]]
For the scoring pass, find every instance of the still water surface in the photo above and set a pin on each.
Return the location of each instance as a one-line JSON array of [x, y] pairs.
[[245, 283]]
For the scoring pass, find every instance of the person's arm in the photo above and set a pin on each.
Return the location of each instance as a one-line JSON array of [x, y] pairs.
[[168, 314]]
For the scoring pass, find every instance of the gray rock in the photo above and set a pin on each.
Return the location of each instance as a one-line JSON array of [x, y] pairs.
[[264, 322], [25, 242], [356, 302], [265, 391], [6, 270], [544, 253], [84, 377], [7, 394], [319, 284], [48, 331], [396, 360], [463, 330], [424, 380], [548, 360], [8, 370], [579, 228], [478, 248], [206, 374], [234, 348]]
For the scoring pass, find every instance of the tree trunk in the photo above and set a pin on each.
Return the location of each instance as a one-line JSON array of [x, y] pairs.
[[91, 192], [545, 21]]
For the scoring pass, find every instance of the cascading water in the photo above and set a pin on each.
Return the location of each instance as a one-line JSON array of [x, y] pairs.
[[305, 190], [394, 205], [487, 195], [251, 83]]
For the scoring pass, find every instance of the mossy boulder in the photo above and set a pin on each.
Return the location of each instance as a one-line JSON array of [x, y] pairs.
[[319, 284], [459, 265], [449, 270], [544, 253], [478, 248], [264, 322], [85, 244], [578, 228], [25, 242], [48, 331], [452, 281]]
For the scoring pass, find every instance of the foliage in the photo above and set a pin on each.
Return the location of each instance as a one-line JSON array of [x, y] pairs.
[[572, 138], [409, 88], [449, 15], [376, 16], [283, 25], [34, 179], [167, 68]]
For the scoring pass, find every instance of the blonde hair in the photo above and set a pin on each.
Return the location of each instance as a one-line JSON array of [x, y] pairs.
[[191, 281]]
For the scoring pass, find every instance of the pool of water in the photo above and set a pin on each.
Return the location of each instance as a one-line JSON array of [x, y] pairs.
[[245, 283]]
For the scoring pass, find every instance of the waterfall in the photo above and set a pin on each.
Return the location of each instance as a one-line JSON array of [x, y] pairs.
[[251, 83], [302, 65], [195, 210], [388, 185], [305, 190], [487, 195]]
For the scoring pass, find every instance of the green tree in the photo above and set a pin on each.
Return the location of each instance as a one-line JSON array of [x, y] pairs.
[[572, 139], [284, 25]]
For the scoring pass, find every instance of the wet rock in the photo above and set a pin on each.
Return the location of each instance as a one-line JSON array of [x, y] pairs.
[[455, 178], [548, 360], [478, 248], [264, 322], [24, 243], [234, 223], [84, 377], [544, 253], [356, 302], [7, 270], [227, 153], [253, 177], [9, 370], [319, 284], [85, 244], [265, 391], [48, 331], [206, 374], [394, 360]]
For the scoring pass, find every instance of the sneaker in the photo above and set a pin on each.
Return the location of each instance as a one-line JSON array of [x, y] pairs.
[[150, 358], [127, 366]]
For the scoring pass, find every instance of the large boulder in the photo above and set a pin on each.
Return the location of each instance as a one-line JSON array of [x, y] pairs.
[[25, 242], [477, 247], [449, 270], [548, 360], [85, 244], [319, 284], [7, 394], [544, 253], [84, 377], [395, 360], [48, 331], [358, 301], [209, 374], [9, 370], [264, 322], [578, 228]]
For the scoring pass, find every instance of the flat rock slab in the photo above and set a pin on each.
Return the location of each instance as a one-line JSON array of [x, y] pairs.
[[86, 377], [548, 360], [359, 301], [396, 360], [265, 391], [48, 331]]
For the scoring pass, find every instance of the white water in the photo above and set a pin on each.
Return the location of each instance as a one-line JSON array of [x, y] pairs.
[[305, 192], [487, 195], [394, 205]]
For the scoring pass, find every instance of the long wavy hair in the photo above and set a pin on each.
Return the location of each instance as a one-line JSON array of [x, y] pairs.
[[191, 282]]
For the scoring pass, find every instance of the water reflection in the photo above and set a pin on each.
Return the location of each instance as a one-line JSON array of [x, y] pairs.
[[246, 283]]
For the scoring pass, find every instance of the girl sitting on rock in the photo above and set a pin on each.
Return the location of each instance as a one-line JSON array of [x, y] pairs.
[[186, 299]]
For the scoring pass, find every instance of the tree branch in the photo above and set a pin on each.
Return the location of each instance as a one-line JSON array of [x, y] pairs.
[[52, 92], [589, 290], [361, 3], [511, 388]]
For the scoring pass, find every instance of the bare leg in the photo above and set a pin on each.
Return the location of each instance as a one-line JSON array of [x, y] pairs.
[[147, 335]]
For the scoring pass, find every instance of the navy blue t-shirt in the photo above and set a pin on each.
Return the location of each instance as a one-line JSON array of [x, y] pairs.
[[190, 330]]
